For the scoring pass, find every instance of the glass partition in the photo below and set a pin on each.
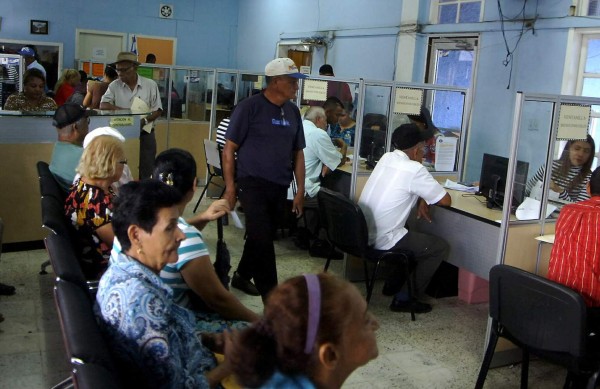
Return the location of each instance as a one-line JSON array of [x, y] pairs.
[[249, 84]]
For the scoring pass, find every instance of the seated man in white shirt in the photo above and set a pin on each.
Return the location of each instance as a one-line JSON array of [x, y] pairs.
[[398, 182], [320, 158]]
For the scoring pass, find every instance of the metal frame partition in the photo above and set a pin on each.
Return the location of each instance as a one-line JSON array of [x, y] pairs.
[[538, 133], [7, 60]]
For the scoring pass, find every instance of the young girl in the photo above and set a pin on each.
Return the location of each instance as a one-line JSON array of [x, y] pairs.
[[315, 332]]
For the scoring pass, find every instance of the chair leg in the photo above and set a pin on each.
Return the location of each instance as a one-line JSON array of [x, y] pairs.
[[487, 360], [371, 283], [43, 267], [410, 285], [203, 191], [327, 264], [66, 383], [593, 380], [525, 369]]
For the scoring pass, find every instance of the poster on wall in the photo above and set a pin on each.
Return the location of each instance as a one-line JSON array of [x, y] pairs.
[[573, 121], [315, 90]]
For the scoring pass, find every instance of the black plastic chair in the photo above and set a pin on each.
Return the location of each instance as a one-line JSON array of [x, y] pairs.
[[347, 230], [49, 188], [66, 264], [213, 163], [83, 340], [541, 317], [94, 376]]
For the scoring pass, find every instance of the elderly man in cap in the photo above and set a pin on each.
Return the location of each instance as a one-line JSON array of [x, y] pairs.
[[121, 94], [266, 133], [398, 182], [71, 122], [28, 54]]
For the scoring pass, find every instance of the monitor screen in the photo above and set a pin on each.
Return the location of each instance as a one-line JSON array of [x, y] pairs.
[[372, 144], [493, 180]]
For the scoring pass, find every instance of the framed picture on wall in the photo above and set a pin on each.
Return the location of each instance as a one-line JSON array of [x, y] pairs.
[[39, 27]]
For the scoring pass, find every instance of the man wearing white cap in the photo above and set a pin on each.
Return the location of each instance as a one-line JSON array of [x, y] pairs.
[[122, 93], [266, 133]]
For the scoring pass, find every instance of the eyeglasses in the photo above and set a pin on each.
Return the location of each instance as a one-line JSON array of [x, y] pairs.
[[123, 162], [121, 70]]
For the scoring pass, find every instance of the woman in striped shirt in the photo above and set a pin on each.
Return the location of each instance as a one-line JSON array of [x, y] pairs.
[[571, 172]]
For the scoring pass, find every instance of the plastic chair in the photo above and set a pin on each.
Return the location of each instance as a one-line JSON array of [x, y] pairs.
[[83, 340], [94, 376], [213, 163], [65, 263], [541, 317], [49, 187], [347, 230]]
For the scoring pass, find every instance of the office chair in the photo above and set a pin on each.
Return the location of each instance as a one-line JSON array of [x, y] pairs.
[[541, 317], [213, 163], [347, 230]]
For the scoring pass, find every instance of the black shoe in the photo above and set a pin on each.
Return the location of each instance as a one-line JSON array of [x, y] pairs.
[[323, 249], [405, 306], [244, 285], [7, 290]]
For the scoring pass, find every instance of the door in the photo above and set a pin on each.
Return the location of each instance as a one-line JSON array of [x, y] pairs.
[[96, 48]]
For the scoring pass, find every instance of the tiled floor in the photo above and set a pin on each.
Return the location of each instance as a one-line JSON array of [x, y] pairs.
[[441, 349]]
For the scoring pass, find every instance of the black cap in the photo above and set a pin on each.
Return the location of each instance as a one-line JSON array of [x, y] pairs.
[[425, 118], [69, 113], [408, 135]]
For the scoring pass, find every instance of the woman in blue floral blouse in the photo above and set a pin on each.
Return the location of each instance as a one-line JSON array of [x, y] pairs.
[[150, 335]]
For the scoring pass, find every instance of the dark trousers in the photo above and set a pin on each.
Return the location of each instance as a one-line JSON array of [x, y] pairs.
[[147, 153], [263, 203], [429, 252]]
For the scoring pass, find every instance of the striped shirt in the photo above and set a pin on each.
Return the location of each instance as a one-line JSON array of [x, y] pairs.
[[221, 131], [191, 248], [575, 257], [578, 193]]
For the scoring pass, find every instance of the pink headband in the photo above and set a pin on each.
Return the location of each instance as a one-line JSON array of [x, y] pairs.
[[314, 311]]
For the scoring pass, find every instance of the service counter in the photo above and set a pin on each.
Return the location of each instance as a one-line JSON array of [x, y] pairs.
[[25, 139]]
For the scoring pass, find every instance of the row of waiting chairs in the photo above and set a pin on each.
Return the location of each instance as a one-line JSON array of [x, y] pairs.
[[87, 351]]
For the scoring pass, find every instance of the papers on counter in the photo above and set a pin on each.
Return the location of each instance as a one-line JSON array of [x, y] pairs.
[[449, 184]]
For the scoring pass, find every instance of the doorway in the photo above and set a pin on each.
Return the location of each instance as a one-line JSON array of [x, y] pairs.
[[49, 55]]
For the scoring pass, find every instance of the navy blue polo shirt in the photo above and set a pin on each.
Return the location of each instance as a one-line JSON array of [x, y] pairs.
[[267, 136]]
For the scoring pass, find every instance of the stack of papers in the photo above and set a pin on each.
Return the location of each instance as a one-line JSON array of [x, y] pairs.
[[463, 188]]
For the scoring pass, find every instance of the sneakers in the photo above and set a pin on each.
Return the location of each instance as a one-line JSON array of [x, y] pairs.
[[405, 306], [244, 285], [322, 249]]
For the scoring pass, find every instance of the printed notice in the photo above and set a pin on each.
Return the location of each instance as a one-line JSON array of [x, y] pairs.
[[573, 121], [99, 53], [121, 121], [315, 90], [445, 153], [408, 101]]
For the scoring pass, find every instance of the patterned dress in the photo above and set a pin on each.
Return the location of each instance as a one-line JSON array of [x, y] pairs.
[[88, 208], [18, 102], [146, 331]]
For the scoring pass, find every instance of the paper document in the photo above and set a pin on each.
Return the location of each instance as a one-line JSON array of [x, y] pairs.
[[236, 220], [445, 153], [139, 106], [449, 184]]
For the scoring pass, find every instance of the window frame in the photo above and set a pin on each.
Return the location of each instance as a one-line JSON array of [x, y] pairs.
[[435, 9]]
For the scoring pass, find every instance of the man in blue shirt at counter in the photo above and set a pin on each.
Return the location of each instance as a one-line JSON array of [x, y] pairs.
[[266, 133], [72, 123], [398, 182]]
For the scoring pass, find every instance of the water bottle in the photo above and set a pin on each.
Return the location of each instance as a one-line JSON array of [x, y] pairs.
[[347, 138]]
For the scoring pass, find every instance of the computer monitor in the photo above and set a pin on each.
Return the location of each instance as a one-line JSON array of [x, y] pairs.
[[372, 144], [493, 180]]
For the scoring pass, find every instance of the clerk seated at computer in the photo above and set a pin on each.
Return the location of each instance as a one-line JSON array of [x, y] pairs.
[[575, 257], [398, 183], [570, 173]]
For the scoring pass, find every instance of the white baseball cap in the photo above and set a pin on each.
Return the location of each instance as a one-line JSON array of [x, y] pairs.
[[283, 67], [102, 131]]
